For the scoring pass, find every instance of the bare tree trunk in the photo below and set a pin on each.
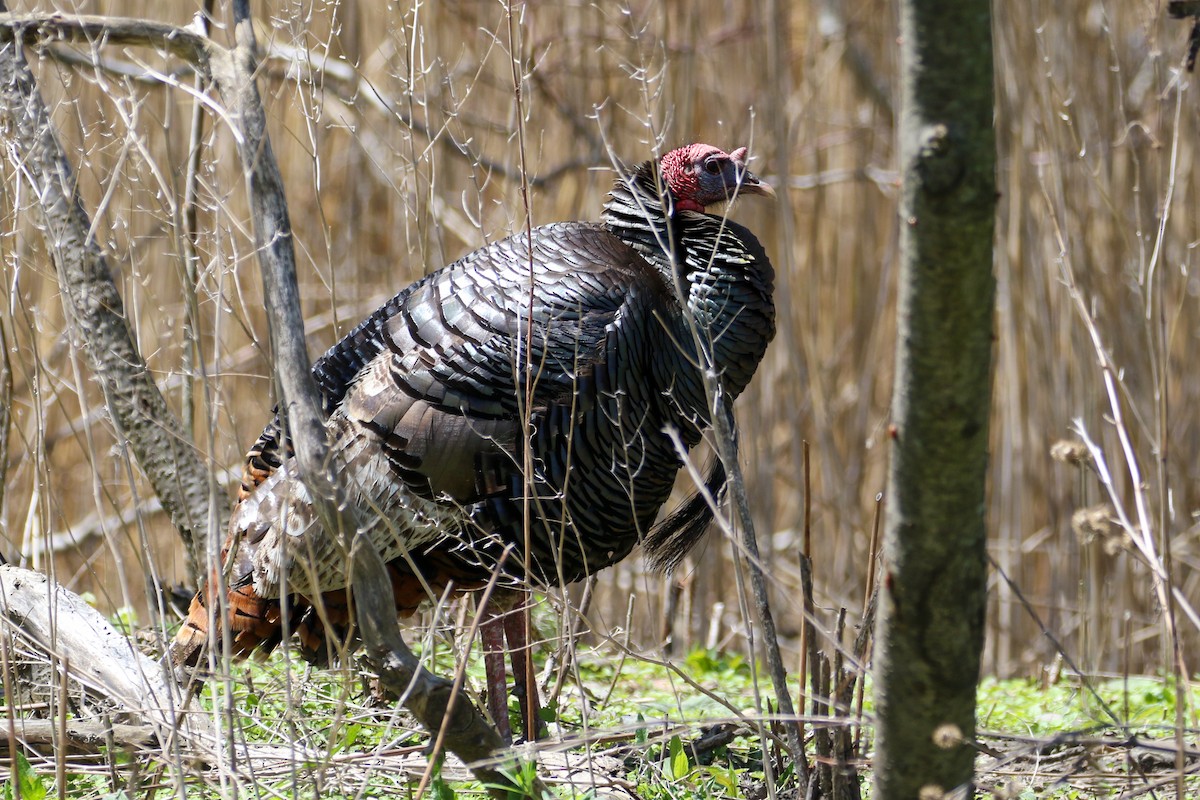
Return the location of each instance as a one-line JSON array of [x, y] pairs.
[[138, 411], [439, 704], [933, 596]]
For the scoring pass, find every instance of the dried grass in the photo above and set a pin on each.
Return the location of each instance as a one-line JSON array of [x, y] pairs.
[[398, 147]]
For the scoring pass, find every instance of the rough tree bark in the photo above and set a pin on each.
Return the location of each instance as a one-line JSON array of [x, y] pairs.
[[436, 702], [140, 414], [933, 596]]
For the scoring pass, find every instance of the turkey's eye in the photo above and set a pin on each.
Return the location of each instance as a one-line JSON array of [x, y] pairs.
[[712, 166]]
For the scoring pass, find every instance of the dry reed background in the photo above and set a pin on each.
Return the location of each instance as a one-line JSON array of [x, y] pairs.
[[396, 127]]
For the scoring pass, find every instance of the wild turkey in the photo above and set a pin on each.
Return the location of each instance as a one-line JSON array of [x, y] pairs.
[[581, 320]]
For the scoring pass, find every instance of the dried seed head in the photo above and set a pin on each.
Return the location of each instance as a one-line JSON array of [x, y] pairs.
[[1070, 452], [1095, 523], [931, 792], [1117, 543], [947, 735], [1092, 523]]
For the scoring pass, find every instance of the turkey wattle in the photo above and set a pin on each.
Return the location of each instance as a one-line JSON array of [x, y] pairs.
[[425, 400]]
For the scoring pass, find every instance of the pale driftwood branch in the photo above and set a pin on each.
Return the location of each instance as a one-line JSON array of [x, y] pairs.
[[83, 735], [60, 628], [58, 622], [93, 305]]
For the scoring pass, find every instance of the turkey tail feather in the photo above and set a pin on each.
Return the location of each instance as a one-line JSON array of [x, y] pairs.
[[189, 644], [324, 626], [254, 623], [673, 538]]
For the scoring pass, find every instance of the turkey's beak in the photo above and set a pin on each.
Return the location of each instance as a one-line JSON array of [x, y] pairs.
[[750, 184]]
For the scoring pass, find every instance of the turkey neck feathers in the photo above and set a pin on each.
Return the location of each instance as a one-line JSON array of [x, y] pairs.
[[719, 267], [727, 282]]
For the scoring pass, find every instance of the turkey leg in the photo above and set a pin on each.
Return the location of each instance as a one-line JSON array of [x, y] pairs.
[[506, 615], [517, 624]]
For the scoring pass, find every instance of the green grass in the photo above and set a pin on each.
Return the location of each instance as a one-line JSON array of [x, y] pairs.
[[646, 712], [641, 716], [1025, 707]]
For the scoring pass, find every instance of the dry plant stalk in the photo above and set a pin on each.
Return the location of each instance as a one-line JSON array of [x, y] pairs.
[[399, 155]]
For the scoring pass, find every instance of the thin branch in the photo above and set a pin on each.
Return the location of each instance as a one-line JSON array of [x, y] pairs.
[[724, 432], [117, 67], [431, 699], [6, 399], [189, 43], [192, 352], [186, 43], [832, 25]]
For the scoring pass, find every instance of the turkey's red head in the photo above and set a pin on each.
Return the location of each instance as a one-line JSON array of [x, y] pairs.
[[700, 175]]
